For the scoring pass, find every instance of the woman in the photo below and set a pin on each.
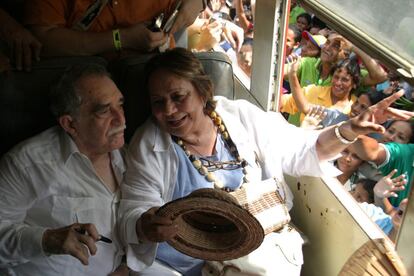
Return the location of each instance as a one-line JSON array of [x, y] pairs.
[[399, 132], [184, 132], [338, 95]]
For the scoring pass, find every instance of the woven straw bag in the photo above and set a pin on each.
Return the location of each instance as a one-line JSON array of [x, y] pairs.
[[263, 200]]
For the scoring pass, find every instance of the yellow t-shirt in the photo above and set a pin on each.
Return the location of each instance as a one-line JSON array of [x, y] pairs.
[[318, 95]]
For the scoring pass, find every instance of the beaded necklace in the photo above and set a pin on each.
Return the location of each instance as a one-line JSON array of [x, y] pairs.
[[207, 169]]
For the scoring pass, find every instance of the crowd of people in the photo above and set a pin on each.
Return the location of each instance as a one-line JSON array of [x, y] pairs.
[[338, 81], [75, 198]]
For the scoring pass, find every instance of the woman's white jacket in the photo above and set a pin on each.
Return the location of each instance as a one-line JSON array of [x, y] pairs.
[[266, 137]]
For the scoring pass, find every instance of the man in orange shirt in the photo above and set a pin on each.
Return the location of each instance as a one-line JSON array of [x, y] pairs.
[[90, 27]]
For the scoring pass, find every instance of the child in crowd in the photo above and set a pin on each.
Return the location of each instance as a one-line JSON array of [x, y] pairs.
[[293, 38], [363, 191], [311, 44], [317, 25], [303, 21]]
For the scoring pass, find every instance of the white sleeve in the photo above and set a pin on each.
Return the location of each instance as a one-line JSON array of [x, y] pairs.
[[141, 190], [19, 242], [278, 139]]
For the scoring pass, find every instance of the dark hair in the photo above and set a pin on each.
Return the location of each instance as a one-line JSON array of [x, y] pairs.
[[316, 22], [411, 123], [296, 31], [352, 67], [65, 96], [305, 15], [184, 64], [368, 185]]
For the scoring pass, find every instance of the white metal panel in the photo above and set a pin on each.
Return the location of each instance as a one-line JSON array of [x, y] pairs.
[[332, 221], [264, 50], [406, 236]]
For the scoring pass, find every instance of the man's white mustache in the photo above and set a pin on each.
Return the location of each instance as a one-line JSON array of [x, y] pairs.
[[116, 130]]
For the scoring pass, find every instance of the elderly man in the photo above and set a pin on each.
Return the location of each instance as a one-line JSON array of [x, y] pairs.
[[59, 191]]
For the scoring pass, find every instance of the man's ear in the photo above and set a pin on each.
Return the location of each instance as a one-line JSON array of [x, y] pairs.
[[66, 122]]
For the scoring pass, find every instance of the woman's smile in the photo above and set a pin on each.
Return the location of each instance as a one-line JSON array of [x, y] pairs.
[[177, 122]]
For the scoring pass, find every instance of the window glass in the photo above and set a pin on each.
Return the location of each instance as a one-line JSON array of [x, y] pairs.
[[388, 22]]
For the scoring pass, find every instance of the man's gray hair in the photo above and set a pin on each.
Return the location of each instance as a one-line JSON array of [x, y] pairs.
[[65, 98]]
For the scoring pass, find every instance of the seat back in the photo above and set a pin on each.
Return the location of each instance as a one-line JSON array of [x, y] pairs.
[[24, 101], [128, 74]]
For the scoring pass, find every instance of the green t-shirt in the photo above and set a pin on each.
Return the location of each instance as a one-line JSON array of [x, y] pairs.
[[294, 13], [401, 157]]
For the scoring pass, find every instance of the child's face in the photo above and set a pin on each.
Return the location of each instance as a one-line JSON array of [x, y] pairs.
[[302, 24], [360, 194], [310, 50]]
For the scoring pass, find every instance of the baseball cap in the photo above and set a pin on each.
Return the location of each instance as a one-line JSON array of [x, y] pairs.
[[318, 40]]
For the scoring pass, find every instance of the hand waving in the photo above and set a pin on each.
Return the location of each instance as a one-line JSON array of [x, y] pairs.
[[314, 117], [388, 186], [371, 119]]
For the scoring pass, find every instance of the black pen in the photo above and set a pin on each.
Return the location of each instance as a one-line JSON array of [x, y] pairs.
[[101, 238]]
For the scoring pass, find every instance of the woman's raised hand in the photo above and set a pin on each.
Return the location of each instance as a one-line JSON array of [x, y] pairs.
[[371, 119], [293, 64], [388, 186]]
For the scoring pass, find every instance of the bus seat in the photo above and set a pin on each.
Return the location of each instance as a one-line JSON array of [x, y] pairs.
[[24, 101], [128, 74]]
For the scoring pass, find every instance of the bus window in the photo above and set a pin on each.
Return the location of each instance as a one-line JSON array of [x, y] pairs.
[[379, 29]]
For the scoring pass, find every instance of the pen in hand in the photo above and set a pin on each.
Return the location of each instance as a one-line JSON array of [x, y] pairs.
[[101, 237]]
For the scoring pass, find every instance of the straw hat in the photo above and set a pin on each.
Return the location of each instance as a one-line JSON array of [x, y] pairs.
[[212, 226]]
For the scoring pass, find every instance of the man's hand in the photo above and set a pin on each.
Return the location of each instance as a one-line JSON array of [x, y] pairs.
[[139, 37], [70, 240], [23, 45], [187, 14], [154, 228]]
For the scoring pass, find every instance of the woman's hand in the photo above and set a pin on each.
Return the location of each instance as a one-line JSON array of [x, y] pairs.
[[388, 186], [154, 228], [370, 120]]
